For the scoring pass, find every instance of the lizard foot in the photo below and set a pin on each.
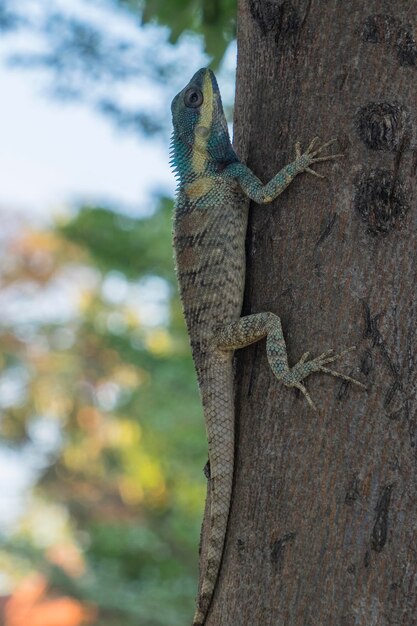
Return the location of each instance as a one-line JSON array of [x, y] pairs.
[[251, 328], [293, 376], [309, 157]]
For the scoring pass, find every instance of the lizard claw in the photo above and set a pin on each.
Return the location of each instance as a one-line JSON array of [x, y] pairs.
[[343, 376], [306, 395], [310, 171], [312, 142], [318, 150], [310, 156], [293, 377], [325, 358], [327, 158]]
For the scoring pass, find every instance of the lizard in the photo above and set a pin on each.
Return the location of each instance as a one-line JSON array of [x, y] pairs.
[[209, 228]]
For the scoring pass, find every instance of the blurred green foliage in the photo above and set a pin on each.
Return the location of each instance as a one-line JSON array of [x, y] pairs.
[[128, 470], [215, 20], [134, 247]]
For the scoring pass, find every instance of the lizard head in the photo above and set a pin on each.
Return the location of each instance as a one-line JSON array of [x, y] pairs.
[[201, 139]]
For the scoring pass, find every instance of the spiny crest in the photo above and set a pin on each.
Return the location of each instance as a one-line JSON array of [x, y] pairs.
[[180, 159]]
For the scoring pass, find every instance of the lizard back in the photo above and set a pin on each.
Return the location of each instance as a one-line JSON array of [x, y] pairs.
[[210, 263], [209, 242]]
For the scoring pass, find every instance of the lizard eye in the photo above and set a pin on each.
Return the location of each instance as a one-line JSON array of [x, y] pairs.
[[193, 98]]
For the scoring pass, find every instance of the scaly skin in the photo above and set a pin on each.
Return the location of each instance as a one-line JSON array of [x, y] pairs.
[[209, 241]]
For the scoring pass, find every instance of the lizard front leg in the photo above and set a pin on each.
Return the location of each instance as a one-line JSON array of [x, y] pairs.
[[251, 328], [262, 194]]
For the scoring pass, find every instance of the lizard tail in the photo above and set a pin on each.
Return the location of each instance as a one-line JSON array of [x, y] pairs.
[[218, 401]]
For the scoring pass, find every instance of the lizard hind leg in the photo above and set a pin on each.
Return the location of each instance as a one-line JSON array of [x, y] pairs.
[[251, 328]]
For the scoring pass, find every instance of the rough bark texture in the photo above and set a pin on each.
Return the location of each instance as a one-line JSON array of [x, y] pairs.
[[323, 526]]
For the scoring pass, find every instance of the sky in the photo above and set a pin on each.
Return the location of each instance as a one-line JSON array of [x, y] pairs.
[[53, 153]]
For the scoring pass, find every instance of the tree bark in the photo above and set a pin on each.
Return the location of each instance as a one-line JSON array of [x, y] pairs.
[[322, 530]]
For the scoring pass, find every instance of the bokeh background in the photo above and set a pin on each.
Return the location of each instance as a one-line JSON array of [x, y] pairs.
[[102, 438]]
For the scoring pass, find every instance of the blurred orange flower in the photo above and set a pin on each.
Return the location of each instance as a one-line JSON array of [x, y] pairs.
[[30, 606]]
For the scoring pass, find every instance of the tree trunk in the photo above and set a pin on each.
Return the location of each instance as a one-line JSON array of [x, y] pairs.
[[322, 529]]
